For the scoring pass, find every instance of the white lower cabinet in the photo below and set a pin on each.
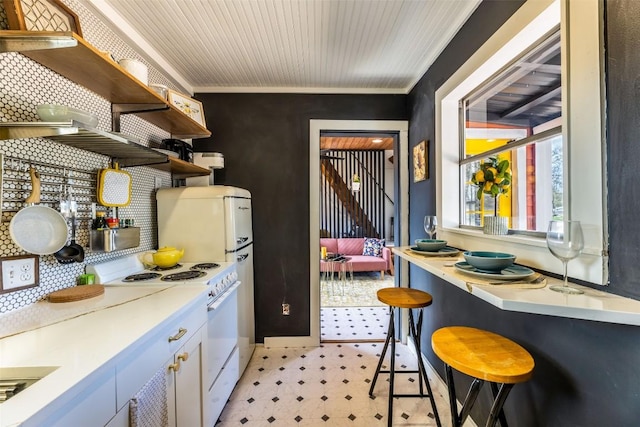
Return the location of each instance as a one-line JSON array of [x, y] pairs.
[[93, 406], [183, 377], [177, 350], [121, 419], [184, 383]]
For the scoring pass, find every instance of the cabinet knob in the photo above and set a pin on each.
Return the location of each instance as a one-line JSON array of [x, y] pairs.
[[184, 356], [175, 367]]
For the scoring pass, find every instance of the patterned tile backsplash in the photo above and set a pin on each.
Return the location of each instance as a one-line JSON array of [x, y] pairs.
[[23, 85]]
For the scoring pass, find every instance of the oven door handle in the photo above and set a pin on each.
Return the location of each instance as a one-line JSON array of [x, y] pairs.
[[213, 305]]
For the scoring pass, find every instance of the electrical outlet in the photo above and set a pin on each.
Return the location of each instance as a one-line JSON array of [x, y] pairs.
[[158, 182], [19, 272], [285, 309]]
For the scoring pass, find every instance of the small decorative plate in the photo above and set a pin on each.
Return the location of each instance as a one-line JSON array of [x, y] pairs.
[[514, 272], [446, 251]]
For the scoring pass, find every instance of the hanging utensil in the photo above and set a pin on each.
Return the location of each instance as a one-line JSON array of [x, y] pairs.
[[66, 255], [72, 252], [114, 187], [38, 229], [64, 203], [79, 256]]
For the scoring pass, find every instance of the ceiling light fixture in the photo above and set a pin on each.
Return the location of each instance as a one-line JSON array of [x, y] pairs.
[[377, 140]]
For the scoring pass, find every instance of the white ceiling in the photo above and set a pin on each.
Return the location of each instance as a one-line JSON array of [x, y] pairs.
[[338, 46]]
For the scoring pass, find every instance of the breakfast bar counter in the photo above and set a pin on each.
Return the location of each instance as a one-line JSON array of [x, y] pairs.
[[592, 305]]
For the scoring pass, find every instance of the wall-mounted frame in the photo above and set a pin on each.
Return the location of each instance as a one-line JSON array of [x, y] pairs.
[[41, 15], [188, 106], [420, 160], [19, 272]]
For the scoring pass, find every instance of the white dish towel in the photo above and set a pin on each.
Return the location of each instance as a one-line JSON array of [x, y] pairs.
[[148, 408]]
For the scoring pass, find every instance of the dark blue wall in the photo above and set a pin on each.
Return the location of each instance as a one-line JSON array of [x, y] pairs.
[[587, 373], [265, 141]]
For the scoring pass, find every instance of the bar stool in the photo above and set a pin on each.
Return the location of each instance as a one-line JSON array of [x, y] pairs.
[[485, 356], [411, 299]]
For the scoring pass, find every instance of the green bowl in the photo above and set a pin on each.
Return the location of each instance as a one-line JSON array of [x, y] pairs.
[[489, 261], [430, 245]]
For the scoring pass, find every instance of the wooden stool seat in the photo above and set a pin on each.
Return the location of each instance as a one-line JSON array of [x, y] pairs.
[[404, 297], [412, 299], [482, 354], [485, 356]]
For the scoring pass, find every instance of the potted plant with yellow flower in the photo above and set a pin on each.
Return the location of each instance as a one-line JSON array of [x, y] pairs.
[[493, 178]]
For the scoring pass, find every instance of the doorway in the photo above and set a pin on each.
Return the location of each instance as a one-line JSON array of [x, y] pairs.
[[400, 233], [357, 207]]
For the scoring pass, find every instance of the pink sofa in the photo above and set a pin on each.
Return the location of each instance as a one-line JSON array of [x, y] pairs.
[[353, 247]]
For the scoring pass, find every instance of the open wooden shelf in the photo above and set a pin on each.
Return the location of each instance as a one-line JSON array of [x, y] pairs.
[[181, 169], [87, 66], [121, 148]]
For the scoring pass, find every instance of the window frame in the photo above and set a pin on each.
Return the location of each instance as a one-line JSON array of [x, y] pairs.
[[582, 122], [537, 138]]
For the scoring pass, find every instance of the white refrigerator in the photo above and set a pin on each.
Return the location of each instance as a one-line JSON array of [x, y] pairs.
[[214, 224]]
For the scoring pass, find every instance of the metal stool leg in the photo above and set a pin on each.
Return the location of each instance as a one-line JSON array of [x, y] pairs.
[[452, 396], [457, 419], [416, 331], [390, 333], [501, 416], [390, 340], [392, 370], [496, 408]]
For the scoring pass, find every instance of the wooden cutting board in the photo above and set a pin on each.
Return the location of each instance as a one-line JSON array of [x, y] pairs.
[[76, 293]]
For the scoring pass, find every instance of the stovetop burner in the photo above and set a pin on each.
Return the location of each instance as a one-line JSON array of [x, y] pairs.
[[205, 266], [158, 268], [183, 275], [141, 276]]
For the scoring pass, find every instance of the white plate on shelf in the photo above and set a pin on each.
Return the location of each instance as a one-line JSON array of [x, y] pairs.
[[61, 113], [514, 272], [446, 251]]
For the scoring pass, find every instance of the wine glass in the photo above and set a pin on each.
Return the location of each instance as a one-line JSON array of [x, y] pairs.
[[565, 241], [430, 224]]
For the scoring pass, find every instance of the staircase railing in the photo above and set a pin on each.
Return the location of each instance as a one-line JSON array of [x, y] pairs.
[[348, 213]]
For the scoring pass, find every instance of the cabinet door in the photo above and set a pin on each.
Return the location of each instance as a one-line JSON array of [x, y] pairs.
[[188, 383], [121, 419], [171, 390], [94, 406]]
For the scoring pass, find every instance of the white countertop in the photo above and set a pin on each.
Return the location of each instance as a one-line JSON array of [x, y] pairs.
[[82, 339], [592, 305]]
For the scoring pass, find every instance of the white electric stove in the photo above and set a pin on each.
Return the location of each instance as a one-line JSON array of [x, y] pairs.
[[129, 271]]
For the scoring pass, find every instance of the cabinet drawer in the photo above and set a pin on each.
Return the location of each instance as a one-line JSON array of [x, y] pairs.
[[143, 361], [222, 389], [192, 322]]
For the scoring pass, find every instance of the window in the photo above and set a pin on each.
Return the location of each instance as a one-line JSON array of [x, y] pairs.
[[556, 160], [515, 116]]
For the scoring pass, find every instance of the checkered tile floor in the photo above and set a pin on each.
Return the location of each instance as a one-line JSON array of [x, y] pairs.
[[326, 386], [354, 323]]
